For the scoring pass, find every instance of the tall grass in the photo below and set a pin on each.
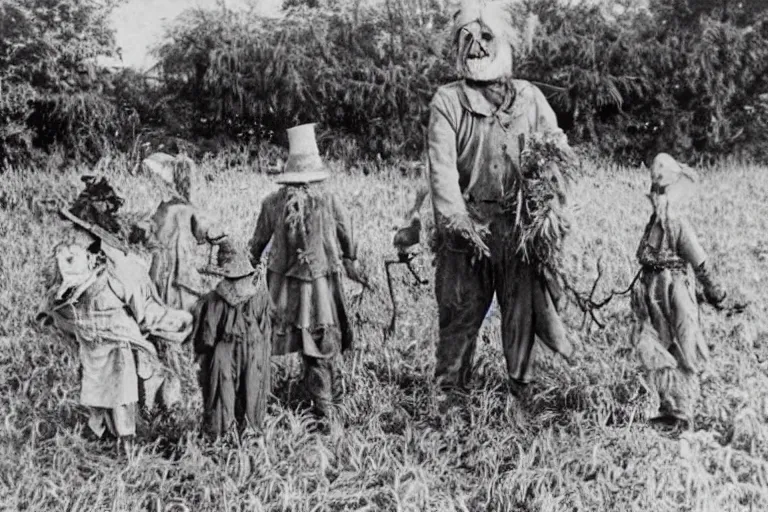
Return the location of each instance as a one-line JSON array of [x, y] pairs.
[[577, 441]]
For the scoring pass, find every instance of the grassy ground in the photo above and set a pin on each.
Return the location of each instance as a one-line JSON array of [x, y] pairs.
[[578, 441]]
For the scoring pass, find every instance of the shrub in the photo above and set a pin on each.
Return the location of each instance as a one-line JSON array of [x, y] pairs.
[[51, 90]]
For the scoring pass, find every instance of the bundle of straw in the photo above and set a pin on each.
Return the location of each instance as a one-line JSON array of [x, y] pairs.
[[537, 204]]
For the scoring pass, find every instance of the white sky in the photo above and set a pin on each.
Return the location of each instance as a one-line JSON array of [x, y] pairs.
[[139, 23]]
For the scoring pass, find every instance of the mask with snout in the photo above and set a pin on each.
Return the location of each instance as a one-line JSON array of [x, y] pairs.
[[481, 55], [489, 37]]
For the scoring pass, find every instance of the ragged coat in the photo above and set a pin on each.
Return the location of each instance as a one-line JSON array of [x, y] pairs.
[[111, 318], [233, 338]]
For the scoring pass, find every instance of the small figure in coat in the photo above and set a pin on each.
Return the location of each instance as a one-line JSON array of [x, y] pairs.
[[667, 335], [232, 339]]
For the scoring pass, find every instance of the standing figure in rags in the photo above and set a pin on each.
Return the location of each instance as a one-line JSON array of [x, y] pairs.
[[173, 232], [232, 339], [667, 335], [103, 299], [477, 130], [312, 242]]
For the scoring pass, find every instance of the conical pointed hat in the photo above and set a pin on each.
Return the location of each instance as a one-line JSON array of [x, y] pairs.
[[304, 163]]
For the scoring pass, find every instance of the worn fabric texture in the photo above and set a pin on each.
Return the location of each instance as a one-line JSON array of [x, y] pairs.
[[112, 320], [232, 336], [310, 229], [474, 161], [310, 232], [119, 421], [465, 292], [667, 335], [177, 228], [665, 298]]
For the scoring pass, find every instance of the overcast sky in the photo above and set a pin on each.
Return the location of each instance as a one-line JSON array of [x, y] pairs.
[[139, 23]]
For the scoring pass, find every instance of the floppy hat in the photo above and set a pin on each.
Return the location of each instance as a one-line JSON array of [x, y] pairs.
[[675, 179], [304, 164]]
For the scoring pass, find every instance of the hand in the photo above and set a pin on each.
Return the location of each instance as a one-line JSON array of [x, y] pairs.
[[463, 226]]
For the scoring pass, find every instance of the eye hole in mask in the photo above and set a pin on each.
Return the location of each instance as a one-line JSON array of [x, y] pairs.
[[658, 189]]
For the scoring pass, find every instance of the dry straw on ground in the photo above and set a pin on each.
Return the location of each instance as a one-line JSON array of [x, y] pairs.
[[578, 441]]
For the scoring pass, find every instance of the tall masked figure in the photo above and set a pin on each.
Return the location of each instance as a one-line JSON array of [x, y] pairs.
[[477, 130]]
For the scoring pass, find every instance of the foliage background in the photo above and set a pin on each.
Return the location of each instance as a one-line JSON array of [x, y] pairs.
[[686, 77]]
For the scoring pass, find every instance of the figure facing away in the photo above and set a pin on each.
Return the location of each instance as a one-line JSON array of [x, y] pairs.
[[312, 242], [477, 128], [667, 335], [104, 300], [175, 229], [232, 339]]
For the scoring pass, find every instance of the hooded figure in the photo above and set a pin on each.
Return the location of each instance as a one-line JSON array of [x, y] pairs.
[[312, 241], [104, 299], [174, 231], [667, 335], [232, 340], [477, 129]]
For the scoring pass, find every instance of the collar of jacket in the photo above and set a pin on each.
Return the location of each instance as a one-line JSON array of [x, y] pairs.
[[473, 101]]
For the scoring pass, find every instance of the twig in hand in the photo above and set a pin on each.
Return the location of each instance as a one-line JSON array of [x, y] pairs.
[[588, 305]]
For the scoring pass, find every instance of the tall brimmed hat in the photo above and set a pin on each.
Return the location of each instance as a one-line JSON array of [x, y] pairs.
[[230, 263], [304, 164], [671, 177]]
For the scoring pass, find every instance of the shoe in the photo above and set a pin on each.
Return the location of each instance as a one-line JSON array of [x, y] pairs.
[[517, 388]]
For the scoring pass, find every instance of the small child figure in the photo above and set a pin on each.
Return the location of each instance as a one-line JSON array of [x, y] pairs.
[[232, 340], [667, 333]]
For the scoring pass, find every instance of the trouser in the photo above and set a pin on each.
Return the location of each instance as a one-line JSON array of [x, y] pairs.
[[235, 380], [678, 390], [322, 376], [464, 292], [120, 421]]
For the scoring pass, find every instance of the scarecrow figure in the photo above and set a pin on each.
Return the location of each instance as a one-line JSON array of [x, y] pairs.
[[312, 241], [173, 232], [477, 130], [667, 335], [105, 300], [232, 339]]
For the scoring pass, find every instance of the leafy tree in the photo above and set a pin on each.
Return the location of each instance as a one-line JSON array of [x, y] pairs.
[[51, 90]]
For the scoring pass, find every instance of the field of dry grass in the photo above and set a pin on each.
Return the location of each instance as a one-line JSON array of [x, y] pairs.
[[577, 442]]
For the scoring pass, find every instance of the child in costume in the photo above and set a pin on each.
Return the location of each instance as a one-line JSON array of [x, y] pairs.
[[312, 240], [232, 341], [174, 230], [667, 334], [103, 298]]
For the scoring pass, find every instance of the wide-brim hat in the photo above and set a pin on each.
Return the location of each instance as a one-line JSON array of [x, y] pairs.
[[97, 231], [230, 263], [304, 164]]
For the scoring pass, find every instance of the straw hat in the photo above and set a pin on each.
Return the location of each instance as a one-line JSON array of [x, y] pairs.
[[230, 263], [676, 180], [304, 164]]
